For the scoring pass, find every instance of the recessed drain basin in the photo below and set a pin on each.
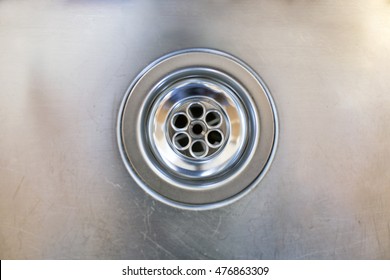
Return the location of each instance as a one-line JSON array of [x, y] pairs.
[[197, 129]]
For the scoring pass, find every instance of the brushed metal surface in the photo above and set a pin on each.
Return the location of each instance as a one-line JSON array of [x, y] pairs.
[[65, 65]]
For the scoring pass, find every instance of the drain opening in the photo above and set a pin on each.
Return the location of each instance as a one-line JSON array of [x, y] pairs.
[[180, 121], [213, 119], [197, 129], [199, 149], [196, 110], [214, 138], [181, 141]]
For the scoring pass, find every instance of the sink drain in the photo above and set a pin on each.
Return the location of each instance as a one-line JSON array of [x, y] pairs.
[[197, 129]]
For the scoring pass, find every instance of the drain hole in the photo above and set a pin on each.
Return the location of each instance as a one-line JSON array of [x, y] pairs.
[[180, 121], [197, 129], [213, 118], [181, 141], [196, 110], [214, 138], [199, 149]]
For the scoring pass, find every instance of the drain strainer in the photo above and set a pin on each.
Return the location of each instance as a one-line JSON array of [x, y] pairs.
[[197, 129]]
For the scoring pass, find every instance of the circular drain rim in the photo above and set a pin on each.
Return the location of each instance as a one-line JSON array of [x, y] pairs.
[[203, 196], [167, 158]]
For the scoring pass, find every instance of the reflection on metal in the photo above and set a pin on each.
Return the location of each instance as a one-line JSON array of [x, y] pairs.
[[194, 134]]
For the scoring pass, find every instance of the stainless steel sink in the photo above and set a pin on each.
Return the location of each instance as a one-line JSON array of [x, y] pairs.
[[65, 67]]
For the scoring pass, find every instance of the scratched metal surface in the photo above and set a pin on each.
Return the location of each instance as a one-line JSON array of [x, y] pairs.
[[64, 68]]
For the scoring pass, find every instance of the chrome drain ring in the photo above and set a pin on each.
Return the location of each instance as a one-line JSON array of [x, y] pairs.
[[196, 158], [197, 129]]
